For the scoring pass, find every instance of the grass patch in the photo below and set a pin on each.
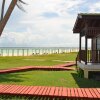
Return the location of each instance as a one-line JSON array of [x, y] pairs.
[[36, 60], [48, 78]]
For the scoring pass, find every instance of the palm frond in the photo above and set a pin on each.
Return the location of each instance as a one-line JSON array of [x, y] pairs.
[[23, 2], [19, 5]]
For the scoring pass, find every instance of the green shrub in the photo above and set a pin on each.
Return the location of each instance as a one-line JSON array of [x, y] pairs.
[[80, 73]]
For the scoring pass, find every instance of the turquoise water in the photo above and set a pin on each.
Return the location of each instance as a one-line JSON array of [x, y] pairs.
[[28, 51]]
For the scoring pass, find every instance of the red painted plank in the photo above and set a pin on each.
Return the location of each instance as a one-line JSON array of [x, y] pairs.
[[24, 90], [4, 88], [57, 67], [10, 89], [60, 91], [84, 93], [45, 90], [80, 92], [52, 91], [68, 92], [20, 90], [64, 92], [98, 89], [56, 91], [93, 93], [72, 93], [17, 88], [28, 90], [37, 91], [88, 93], [33, 90], [96, 92], [76, 92], [41, 91], [1, 87]]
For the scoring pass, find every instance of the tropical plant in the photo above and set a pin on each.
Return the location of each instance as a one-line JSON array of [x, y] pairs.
[[5, 18]]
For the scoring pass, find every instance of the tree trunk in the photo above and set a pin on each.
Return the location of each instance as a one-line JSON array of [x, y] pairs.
[[7, 15], [2, 10]]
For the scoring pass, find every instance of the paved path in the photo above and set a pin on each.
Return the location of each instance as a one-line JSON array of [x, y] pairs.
[[45, 91], [53, 68]]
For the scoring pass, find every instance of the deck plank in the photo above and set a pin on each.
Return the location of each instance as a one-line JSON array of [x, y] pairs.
[[96, 92], [11, 89], [68, 92], [81, 95], [56, 67], [28, 90], [76, 92], [59, 92], [37, 91], [72, 93], [84, 93], [56, 94], [33, 90], [52, 91], [93, 93], [5, 87], [41, 90], [88, 93], [45, 90], [48, 90], [16, 89], [24, 90], [64, 92]]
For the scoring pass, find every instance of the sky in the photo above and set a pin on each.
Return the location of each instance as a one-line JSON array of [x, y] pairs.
[[45, 23]]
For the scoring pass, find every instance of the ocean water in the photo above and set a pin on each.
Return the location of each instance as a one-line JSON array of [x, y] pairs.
[[29, 51]]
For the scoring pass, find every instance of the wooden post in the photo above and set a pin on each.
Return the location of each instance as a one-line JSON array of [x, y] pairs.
[[86, 33], [12, 52], [23, 51], [27, 52], [1, 52], [17, 52], [80, 47], [86, 49]]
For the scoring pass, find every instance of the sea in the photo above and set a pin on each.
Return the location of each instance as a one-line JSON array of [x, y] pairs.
[[29, 51]]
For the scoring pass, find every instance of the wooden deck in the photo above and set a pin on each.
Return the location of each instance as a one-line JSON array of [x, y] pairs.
[[51, 92], [51, 68]]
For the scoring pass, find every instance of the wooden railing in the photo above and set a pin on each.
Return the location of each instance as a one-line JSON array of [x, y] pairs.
[[93, 31], [94, 56], [82, 55], [90, 56]]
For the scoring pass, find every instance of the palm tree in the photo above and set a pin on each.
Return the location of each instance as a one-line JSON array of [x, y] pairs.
[[5, 18], [2, 9]]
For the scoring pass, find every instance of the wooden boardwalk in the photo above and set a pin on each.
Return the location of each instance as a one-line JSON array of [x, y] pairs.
[[51, 92], [51, 68]]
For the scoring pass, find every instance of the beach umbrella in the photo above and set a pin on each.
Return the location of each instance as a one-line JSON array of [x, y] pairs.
[[4, 18]]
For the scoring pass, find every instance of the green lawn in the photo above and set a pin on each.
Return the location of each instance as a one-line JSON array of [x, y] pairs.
[[48, 78], [44, 78], [38, 60]]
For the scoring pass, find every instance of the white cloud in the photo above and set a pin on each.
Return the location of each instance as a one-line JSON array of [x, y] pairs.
[[95, 8], [40, 31]]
